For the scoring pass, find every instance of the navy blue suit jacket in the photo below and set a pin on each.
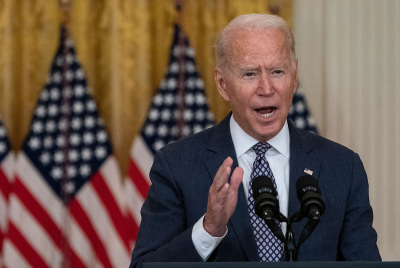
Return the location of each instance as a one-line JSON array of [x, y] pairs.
[[183, 172]]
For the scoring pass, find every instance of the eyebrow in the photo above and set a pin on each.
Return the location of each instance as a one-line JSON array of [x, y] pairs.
[[246, 69], [280, 65], [276, 66]]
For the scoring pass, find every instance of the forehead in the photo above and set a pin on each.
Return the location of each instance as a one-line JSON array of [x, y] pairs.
[[269, 43]]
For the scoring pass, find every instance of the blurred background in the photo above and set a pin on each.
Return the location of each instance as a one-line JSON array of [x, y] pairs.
[[349, 71]]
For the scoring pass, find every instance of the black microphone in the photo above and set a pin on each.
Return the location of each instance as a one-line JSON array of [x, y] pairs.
[[266, 204], [311, 206], [309, 194]]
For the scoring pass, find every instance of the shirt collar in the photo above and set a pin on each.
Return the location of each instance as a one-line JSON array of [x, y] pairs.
[[243, 142]]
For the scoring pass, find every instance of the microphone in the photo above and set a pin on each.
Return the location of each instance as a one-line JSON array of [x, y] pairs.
[[309, 194], [266, 204], [311, 206]]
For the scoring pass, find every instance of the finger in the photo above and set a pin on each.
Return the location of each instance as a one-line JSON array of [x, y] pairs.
[[236, 178], [222, 193], [233, 187], [222, 176]]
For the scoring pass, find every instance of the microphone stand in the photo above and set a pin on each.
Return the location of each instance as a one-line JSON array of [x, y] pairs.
[[289, 241], [275, 228], [291, 246], [308, 229]]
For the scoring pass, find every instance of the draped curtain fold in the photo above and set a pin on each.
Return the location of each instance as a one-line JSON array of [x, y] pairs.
[[123, 46]]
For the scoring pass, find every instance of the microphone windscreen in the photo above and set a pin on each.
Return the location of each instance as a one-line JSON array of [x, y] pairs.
[[262, 184], [307, 182]]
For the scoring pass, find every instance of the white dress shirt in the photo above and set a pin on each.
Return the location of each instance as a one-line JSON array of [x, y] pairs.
[[278, 159]]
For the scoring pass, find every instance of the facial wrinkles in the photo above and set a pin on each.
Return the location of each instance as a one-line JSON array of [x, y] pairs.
[[262, 53], [249, 54]]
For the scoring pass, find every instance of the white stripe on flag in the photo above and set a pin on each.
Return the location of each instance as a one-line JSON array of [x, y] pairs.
[[34, 182], [109, 170], [14, 257], [7, 165], [93, 206], [34, 233], [81, 246], [134, 200], [3, 213], [142, 156]]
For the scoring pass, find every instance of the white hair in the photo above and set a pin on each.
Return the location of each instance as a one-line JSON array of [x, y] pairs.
[[252, 22]]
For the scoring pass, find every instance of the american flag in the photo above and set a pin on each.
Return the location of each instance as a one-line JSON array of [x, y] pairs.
[[178, 109], [6, 173], [66, 208], [300, 115]]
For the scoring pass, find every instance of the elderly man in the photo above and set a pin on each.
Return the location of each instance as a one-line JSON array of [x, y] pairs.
[[200, 206]]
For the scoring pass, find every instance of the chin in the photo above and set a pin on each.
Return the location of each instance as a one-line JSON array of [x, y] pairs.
[[269, 132]]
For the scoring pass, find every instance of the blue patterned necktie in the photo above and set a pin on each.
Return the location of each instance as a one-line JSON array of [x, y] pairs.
[[269, 246]]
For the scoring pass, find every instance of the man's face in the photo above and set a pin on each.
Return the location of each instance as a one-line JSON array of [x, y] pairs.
[[259, 81]]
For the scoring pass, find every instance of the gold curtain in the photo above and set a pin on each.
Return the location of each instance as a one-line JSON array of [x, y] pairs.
[[123, 46]]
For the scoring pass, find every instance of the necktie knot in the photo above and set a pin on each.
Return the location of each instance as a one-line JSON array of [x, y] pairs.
[[261, 148]]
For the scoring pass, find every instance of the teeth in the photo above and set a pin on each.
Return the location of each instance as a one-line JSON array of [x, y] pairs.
[[267, 115]]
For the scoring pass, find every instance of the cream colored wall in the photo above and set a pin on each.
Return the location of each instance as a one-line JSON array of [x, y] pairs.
[[349, 70]]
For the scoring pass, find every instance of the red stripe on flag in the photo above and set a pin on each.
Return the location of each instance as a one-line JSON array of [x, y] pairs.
[[138, 179], [37, 211], [84, 222], [113, 209], [2, 235], [4, 189], [132, 227], [71, 259], [45, 220], [4, 184], [30, 255]]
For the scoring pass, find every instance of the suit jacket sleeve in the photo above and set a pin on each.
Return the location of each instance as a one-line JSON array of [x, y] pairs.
[[170, 239]]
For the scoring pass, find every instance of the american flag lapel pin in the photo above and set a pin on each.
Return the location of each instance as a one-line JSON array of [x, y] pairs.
[[308, 171]]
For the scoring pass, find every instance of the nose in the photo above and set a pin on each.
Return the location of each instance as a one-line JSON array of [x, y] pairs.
[[265, 86]]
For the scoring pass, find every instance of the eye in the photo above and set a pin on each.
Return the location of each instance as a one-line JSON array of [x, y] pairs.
[[277, 72], [249, 74]]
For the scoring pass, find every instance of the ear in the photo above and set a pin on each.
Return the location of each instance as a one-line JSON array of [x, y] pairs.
[[220, 81], [296, 77]]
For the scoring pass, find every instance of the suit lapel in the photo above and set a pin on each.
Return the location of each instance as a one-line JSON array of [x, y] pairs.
[[300, 159], [219, 148]]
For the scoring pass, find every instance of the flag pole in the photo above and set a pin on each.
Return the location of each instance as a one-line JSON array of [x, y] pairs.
[[65, 6], [182, 69]]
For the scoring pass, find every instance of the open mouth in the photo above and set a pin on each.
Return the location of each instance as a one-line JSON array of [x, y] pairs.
[[266, 112]]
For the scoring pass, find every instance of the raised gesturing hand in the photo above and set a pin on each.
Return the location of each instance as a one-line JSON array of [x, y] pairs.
[[222, 198]]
